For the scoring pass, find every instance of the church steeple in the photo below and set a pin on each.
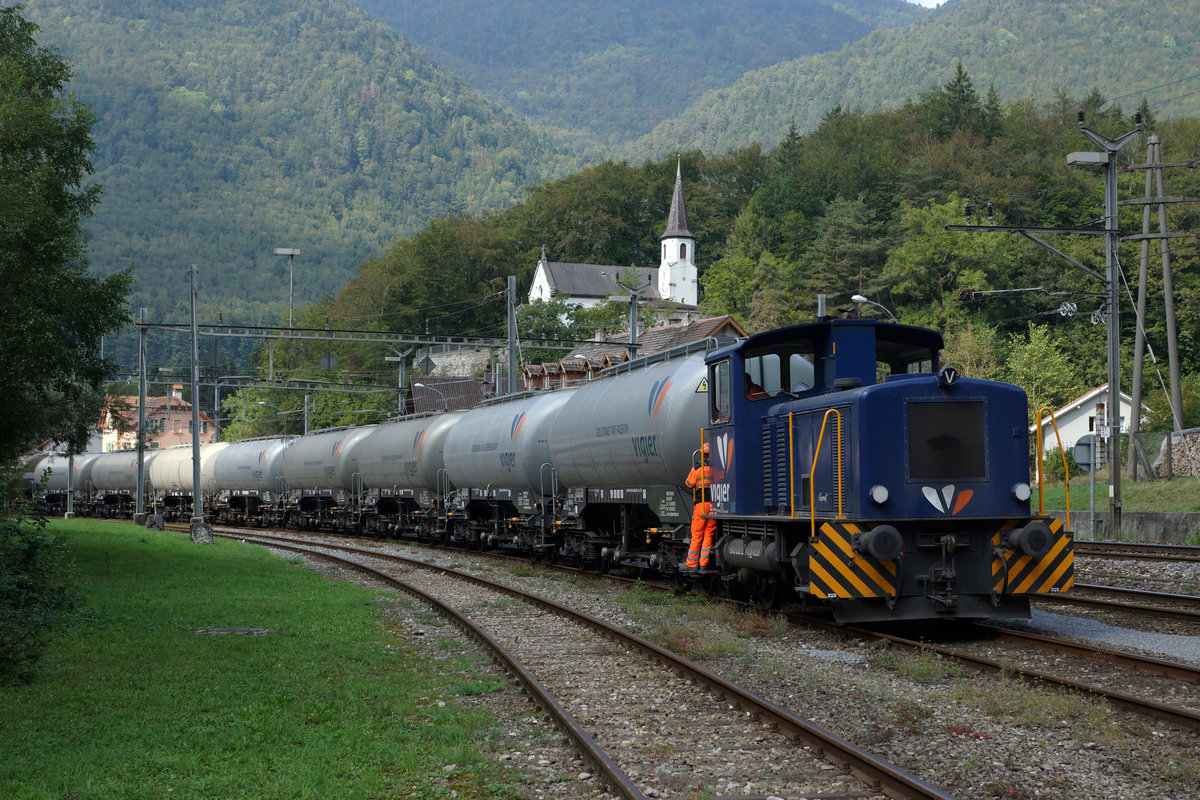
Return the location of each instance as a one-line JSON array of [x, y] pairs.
[[677, 219], [677, 269]]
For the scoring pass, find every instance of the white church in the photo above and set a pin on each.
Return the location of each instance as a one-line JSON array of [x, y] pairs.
[[589, 285]]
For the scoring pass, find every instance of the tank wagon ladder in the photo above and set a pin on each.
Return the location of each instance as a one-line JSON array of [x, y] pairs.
[[437, 527], [546, 537]]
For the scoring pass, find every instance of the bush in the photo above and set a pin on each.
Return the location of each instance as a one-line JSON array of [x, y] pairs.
[[1052, 466], [37, 588]]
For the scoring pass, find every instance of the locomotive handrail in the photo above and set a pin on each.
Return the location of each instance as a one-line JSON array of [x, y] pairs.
[[1061, 452], [791, 465], [812, 487]]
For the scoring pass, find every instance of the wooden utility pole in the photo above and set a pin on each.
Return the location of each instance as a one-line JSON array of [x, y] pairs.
[[1154, 196]]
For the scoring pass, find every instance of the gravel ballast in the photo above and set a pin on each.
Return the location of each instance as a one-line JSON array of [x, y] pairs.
[[978, 736]]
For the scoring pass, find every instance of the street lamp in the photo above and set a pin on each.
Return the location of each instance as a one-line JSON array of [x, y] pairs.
[[858, 298], [445, 402], [279, 412], [291, 253]]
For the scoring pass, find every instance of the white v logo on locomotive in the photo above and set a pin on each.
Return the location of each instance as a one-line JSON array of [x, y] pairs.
[[946, 502]]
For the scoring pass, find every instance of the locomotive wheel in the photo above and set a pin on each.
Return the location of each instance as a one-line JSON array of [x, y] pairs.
[[712, 584], [766, 593]]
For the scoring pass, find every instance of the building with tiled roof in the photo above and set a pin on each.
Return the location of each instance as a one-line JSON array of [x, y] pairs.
[[587, 360], [443, 393], [168, 422], [654, 340]]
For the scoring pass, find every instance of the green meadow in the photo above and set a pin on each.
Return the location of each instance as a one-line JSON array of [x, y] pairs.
[[131, 701]]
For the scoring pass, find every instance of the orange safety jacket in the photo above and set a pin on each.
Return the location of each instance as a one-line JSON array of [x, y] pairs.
[[700, 478]]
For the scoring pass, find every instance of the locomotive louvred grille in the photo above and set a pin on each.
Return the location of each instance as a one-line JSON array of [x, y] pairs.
[[774, 455], [946, 441]]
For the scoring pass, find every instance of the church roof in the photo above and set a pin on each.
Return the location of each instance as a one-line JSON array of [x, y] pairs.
[[592, 280], [677, 225]]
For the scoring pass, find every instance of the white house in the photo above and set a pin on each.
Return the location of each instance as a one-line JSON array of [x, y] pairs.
[[588, 285], [1081, 416]]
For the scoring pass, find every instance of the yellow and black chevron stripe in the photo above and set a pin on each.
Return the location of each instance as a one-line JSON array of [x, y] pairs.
[[1015, 573], [836, 572]]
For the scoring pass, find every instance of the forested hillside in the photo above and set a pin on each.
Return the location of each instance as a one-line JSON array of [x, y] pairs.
[[607, 71], [1126, 49], [859, 205], [229, 128]]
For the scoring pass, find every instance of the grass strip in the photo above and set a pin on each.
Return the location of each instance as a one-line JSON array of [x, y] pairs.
[[132, 702], [1180, 494]]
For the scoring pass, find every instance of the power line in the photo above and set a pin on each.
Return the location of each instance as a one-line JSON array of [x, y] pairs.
[[1153, 88]]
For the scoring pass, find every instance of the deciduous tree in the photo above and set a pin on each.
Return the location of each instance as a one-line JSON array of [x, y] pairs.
[[53, 313]]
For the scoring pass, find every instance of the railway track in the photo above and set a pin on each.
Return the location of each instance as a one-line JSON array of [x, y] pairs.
[[675, 722], [1181, 607], [1137, 550], [1129, 681]]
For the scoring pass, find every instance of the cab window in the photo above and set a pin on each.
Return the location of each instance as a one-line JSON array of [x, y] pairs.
[[719, 391], [782, 370], [893, 358]]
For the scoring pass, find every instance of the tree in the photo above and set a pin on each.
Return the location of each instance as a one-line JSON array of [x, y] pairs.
[[955, 106], [1041, 369], [848, 251], [545, 319], [52, 313]]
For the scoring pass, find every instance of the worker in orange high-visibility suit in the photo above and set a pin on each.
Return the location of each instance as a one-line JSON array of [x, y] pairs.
[[700, 553]]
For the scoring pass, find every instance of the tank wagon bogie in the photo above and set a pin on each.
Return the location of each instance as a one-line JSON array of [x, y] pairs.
[[843, 468], [115, 478], [403, 467], [252, 487], [58, 481]]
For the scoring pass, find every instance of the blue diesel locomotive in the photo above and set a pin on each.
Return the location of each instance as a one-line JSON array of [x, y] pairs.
[[868, 476]]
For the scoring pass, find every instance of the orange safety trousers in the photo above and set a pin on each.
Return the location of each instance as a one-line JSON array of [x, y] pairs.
[[704, 530]]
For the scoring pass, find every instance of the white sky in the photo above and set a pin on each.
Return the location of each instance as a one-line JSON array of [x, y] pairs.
[[927, 3]]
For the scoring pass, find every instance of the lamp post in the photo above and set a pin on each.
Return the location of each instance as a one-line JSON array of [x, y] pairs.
[[445, 402], [1107, 158], [858, 298], [279, 412], [291, 253]]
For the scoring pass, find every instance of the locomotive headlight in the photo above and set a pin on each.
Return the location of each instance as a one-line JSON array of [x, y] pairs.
[[879, 494], [1021, 492]]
